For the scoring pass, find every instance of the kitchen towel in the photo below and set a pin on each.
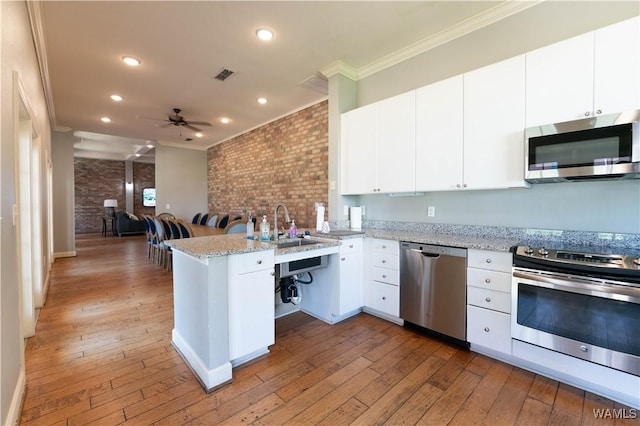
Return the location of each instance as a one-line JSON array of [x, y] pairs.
[[355, 217], [319, 218]]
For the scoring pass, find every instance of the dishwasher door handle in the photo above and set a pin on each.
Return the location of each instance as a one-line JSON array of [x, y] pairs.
[[432, 255]]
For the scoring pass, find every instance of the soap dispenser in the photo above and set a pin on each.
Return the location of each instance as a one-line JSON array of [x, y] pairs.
[[264, 229], [293, 231]]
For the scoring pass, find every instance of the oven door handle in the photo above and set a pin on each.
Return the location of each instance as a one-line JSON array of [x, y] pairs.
[[583, 286]]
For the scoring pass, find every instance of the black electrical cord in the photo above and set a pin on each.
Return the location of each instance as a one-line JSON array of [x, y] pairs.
[[305, 282]]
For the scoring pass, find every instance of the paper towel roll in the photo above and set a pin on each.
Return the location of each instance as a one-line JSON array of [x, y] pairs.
[[319, 218], [355, 217]]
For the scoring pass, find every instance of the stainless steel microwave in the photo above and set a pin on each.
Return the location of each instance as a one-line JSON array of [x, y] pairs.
[[600, 147]]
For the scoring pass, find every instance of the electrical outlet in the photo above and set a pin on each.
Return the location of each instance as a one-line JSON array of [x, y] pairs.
[[431, 211]]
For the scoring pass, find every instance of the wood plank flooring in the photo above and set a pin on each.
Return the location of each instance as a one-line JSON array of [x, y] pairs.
[[102, 355]]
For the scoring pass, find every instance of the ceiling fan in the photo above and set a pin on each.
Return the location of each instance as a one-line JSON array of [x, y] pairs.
[[176, 119]]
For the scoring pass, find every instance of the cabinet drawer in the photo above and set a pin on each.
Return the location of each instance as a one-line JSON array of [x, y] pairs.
[[492, 260], [492, 280], [490, 329], [385, 260], [385, 246], [384, 297], [257, 261], [385, 275], [351, 245], [490, 299]]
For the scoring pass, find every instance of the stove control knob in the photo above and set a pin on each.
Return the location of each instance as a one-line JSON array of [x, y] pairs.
[[528, 250], [543, 252]]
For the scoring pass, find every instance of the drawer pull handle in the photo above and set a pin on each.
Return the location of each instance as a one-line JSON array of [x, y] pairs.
[[384, 261], [488, 299], [488, 260], [583, 348], [343, 258], [384, 276], [384, 247], [487, 280], [350, 245], [486, 329], [384, 298], [259, 262], [273, 273]]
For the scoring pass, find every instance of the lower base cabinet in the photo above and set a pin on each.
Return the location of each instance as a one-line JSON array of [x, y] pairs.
[[489, 329], [384, 298]]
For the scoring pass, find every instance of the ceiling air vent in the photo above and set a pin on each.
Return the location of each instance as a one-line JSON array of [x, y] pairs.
[[224, 74]]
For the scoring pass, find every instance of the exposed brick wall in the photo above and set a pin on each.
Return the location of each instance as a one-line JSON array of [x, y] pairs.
[[144, 176], [285, 161], [98, 180]]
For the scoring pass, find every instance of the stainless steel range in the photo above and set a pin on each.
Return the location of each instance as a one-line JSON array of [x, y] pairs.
[[579, 303]]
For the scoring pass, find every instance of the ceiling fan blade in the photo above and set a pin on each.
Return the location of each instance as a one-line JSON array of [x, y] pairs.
[[200, 123], [163, 126], [149, 118], [189, 126]]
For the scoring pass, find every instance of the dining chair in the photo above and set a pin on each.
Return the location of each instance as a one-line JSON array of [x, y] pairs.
[[161, 236], [196, 219], [213, 220], [185, 229], [236, 227], [203, 219], [224, 220], [152, 239], [175, 229], [168, 235]]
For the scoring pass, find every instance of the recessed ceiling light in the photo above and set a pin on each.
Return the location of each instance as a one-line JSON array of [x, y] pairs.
[[198, 135], [225, 120], [265, 34], [262, 101], [131, 61], [149, 146], [137, 155], [105, 119], [116, 98]]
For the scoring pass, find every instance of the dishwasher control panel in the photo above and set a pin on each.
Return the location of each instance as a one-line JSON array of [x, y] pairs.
[[434, 249]]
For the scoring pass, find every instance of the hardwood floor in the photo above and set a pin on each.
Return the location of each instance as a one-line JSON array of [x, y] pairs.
[[102, 355]]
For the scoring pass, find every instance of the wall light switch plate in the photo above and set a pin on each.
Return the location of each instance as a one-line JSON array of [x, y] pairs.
[[168, 206], [431, 211], [363, 210], [332, 185]]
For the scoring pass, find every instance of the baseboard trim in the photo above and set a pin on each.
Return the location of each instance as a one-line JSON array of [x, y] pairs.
[[60, 254], [13, 415]]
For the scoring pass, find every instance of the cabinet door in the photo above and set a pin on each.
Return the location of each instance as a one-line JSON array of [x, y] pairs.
[[439, 135], [490, 329], [396, 143], [494, 100], [617, 68], [251, 313], [351, 281], [383, 297], [560, 81], [359, 155]]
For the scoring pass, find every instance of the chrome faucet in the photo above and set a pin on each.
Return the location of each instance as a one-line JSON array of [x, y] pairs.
[[275, 219]]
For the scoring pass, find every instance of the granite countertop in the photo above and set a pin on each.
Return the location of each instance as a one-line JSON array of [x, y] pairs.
[[228, 244]]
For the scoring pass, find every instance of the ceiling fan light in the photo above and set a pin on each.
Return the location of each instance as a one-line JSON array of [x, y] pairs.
[[265, 34], [131, 61], [117, 98], [199, 135], [225, 120], [105, 119]]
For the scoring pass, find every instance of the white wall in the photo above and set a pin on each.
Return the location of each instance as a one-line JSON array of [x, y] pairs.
[[586, 206], [64, 236], [181, 181], [16, 54]]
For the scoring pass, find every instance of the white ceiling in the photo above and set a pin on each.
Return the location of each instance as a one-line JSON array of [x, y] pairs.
[[183, 45]]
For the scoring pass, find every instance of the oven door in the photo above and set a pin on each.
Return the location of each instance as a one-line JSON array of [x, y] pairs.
[[584, 317]]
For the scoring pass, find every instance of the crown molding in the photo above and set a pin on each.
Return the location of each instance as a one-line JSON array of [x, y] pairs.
[[469, 25], [339, 67], [36, 20]]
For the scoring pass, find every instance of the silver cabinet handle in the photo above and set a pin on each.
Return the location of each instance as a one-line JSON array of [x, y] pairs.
[[384, 247], [350, 245], [586, 114], [384, 298], [583, 348], [598, 111], [273, 273], [384, 276], [464, 185], [487, 280], [486, 329], [259, 262], [343, 258], [487, 299], [384, 261], [458, 185], [488, 260]]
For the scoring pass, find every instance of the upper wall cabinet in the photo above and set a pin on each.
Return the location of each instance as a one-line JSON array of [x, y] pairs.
[[494, 126], [592, 74], [378, 147]]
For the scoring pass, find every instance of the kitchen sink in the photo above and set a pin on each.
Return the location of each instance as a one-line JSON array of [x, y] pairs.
[[296, 243]]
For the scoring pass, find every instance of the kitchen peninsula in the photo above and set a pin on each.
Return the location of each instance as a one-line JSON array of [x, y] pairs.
[[223, 290]]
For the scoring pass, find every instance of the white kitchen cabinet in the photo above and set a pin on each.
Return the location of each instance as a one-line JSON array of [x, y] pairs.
[[378, 147], [470, 130], [351, 276], [251, 305], [591, 74], [439, 137], [382, 290], [489, 301], [494, 114]]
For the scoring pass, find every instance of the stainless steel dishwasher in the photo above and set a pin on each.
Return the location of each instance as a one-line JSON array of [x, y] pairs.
[[433, 288]]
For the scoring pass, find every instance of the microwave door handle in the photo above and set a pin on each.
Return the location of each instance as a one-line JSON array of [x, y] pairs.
[[583, 286]]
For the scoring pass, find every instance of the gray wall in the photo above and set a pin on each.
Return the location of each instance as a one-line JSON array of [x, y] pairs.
[[603, 206], [64, 236], [181, 181]]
